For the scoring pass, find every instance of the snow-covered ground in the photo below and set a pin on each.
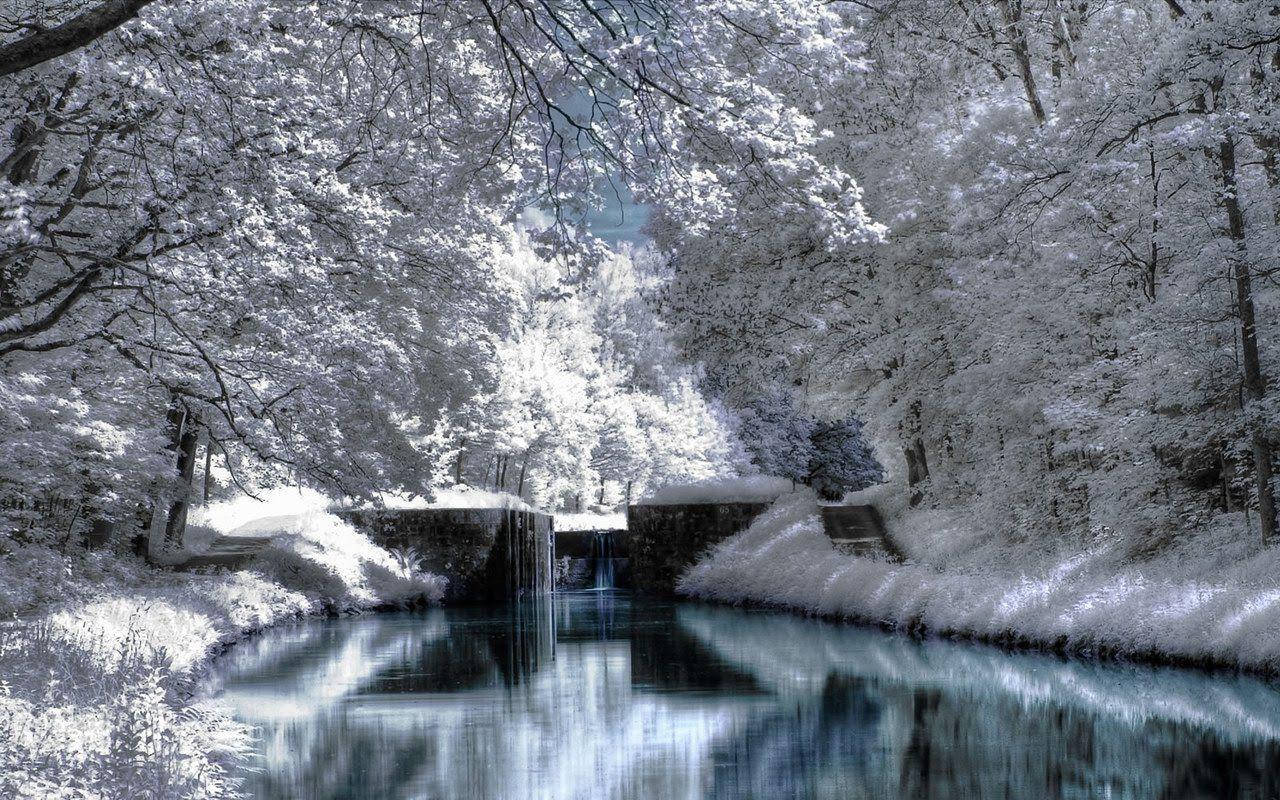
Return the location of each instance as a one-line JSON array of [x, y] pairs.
[[1213, 599], [96, 679], [467, 497]]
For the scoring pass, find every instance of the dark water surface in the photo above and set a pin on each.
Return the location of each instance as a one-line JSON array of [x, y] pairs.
[[596, 696]]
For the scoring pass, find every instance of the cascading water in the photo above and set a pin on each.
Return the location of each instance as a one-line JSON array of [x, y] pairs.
[[602, 559]]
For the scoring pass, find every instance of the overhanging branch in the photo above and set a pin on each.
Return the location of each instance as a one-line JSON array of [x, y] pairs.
[[73, 34]]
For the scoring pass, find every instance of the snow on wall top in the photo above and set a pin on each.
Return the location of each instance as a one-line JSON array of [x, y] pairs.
[[746, 489], [458, 497], [615, 521]]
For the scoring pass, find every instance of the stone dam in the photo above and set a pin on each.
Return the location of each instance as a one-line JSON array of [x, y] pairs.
[[492, 555]]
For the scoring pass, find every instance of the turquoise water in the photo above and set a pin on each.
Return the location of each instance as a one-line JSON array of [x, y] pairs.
[[596, 695]]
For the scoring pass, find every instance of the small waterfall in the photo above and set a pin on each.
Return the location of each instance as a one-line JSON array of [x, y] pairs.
[[602, 559]]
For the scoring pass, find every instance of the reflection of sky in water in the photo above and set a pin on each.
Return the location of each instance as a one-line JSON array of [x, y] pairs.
[[593, 696]]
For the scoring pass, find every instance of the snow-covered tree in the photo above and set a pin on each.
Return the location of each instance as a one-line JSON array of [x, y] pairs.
[[787, 439], [778, 433], [1066, 325], [592, 403], [275, 230], [842, 461]]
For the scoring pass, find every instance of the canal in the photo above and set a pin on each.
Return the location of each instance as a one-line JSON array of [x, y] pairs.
[[598, 695]]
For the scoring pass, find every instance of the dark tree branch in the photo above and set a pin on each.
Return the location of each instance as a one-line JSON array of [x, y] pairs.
[[73, 34]]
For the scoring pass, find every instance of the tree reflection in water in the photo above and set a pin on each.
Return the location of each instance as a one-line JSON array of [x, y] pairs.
[[595, 695]]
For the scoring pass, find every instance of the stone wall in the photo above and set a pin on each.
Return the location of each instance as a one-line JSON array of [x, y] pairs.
[[664, 541], [488, 554]]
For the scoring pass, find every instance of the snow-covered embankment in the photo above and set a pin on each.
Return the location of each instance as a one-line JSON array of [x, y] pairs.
[[1172, 607], [97, 686]]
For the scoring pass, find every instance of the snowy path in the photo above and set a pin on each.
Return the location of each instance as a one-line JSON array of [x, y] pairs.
[[228, 551]]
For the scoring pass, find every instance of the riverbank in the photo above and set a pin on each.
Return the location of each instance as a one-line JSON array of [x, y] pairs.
[[1213, 601], [97, 675]]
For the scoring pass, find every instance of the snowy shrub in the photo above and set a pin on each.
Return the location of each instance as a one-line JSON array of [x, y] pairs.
[[95, 694], [34, 576], [331, 562], [81, 719], [841, 461], [778, 434]]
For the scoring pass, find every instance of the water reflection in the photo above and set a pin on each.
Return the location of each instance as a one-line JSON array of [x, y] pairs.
[[592, 695]]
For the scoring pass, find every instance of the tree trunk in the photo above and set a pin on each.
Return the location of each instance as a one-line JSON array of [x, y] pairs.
[[1224, 483], [169, 515], [457, 468], [1255, 384], [208, 467], [601, 491], [917, 469], [1270, 147], [989, 33], [921, 461], [27, 138], [1268, 143], [176, 525], [1011, 12], [1064, 54], [524, 463]]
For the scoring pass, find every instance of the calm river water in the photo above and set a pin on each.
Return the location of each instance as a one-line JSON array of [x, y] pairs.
[[596, 696]]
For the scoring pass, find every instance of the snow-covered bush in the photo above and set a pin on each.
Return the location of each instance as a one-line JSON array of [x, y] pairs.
[[330, 561], [38, 576], [778, 434], [82, 719], [842, 461]]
